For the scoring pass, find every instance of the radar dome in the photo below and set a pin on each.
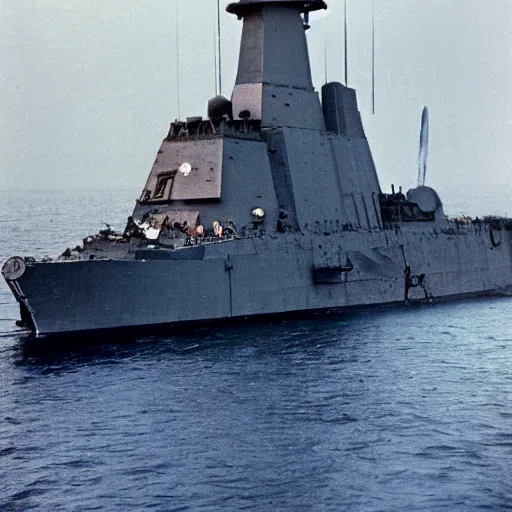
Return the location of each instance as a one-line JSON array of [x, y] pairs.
[[426, 198], [219, 107]]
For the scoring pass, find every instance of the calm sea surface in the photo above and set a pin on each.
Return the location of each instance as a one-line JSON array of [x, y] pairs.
[[404, 410]]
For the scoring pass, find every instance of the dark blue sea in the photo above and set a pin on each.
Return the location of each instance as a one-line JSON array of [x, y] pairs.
[[384, 411]]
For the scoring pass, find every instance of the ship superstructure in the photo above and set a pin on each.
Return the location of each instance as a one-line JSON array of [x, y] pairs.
[[270, 205]]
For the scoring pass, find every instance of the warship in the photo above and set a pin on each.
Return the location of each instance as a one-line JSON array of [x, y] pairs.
[[268, 206]]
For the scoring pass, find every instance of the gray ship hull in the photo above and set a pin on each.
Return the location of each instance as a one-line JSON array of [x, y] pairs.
[[271, 205], [263, 276]]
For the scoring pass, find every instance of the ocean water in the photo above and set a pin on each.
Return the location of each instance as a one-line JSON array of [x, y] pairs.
[[394, 410]]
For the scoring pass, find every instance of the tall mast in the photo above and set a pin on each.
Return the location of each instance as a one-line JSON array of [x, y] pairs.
[[219, 49], [373, 57], [346, 43], [325, 57], [178, 59], [273, 83], [215, 56]]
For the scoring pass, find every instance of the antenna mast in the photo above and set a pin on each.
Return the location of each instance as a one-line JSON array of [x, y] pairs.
[[215, 57], [325, 58], [178, 59], [373, 57], [219, 49], [346, 43]]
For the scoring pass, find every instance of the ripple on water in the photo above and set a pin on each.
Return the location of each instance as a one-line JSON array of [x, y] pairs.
[[405, 410]]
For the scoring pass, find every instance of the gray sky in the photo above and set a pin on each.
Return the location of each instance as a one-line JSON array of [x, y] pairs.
[[88, 88]]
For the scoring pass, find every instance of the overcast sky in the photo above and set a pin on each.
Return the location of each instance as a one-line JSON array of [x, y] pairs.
[[88, 87]]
